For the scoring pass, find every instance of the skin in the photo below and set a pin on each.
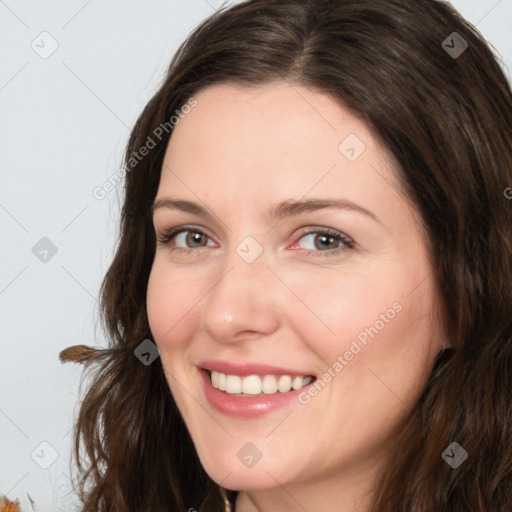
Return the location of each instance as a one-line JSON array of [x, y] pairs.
[[239, 151]]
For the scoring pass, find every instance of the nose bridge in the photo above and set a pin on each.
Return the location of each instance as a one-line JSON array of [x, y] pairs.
[[243, 297]]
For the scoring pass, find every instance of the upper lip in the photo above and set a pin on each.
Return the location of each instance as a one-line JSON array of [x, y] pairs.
[[248, 368]]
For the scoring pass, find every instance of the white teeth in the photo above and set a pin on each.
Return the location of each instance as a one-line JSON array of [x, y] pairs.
[[255, 385], [221, 381], [307, 380], [269, 384], [251, 385], [297, 383], [233, 384], [284, 384]]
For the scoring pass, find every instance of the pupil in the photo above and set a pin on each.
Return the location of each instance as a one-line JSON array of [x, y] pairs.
[[324, 238], [194, 238]]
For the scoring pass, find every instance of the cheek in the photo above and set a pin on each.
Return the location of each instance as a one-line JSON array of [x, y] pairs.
[[338, 308], [170, 303], [384, 341], [171, 297], [363, 318]]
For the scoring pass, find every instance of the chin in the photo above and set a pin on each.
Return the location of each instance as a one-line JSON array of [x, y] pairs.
[[229, 472]]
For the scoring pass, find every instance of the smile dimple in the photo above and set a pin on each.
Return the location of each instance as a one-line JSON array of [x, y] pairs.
[[252, 385]]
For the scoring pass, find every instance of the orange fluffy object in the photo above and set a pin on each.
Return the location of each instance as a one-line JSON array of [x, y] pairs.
[[9, 506]]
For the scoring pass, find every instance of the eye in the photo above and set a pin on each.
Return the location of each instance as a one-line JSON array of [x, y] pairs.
[[315, 241], [324, 241], [185, 238]]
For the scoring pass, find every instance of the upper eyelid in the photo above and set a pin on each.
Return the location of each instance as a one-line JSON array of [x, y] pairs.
[[186, 227]]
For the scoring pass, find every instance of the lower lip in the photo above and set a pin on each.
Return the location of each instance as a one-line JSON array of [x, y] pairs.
[[246, 407]]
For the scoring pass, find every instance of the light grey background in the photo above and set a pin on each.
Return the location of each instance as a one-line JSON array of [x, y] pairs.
[[65, 120]]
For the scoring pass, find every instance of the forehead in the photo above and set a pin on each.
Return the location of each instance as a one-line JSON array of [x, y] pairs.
[[246, 145], [275, 119]]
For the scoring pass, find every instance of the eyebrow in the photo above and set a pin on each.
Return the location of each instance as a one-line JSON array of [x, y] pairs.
[[278, 211]]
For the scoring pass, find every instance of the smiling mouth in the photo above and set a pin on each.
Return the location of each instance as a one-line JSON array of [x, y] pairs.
[[258, 385]]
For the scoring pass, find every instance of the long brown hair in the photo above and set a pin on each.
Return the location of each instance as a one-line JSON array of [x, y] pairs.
[[447, 120]]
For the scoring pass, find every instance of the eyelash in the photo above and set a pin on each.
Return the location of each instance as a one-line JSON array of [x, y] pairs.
[[337, 235]]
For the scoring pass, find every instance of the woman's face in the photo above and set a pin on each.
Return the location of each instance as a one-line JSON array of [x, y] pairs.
[[297, 257]]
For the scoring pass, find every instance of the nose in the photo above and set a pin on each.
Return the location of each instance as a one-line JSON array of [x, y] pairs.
[[245, 301]]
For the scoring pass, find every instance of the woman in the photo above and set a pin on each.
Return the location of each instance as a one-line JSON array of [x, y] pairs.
[[309, 306]]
